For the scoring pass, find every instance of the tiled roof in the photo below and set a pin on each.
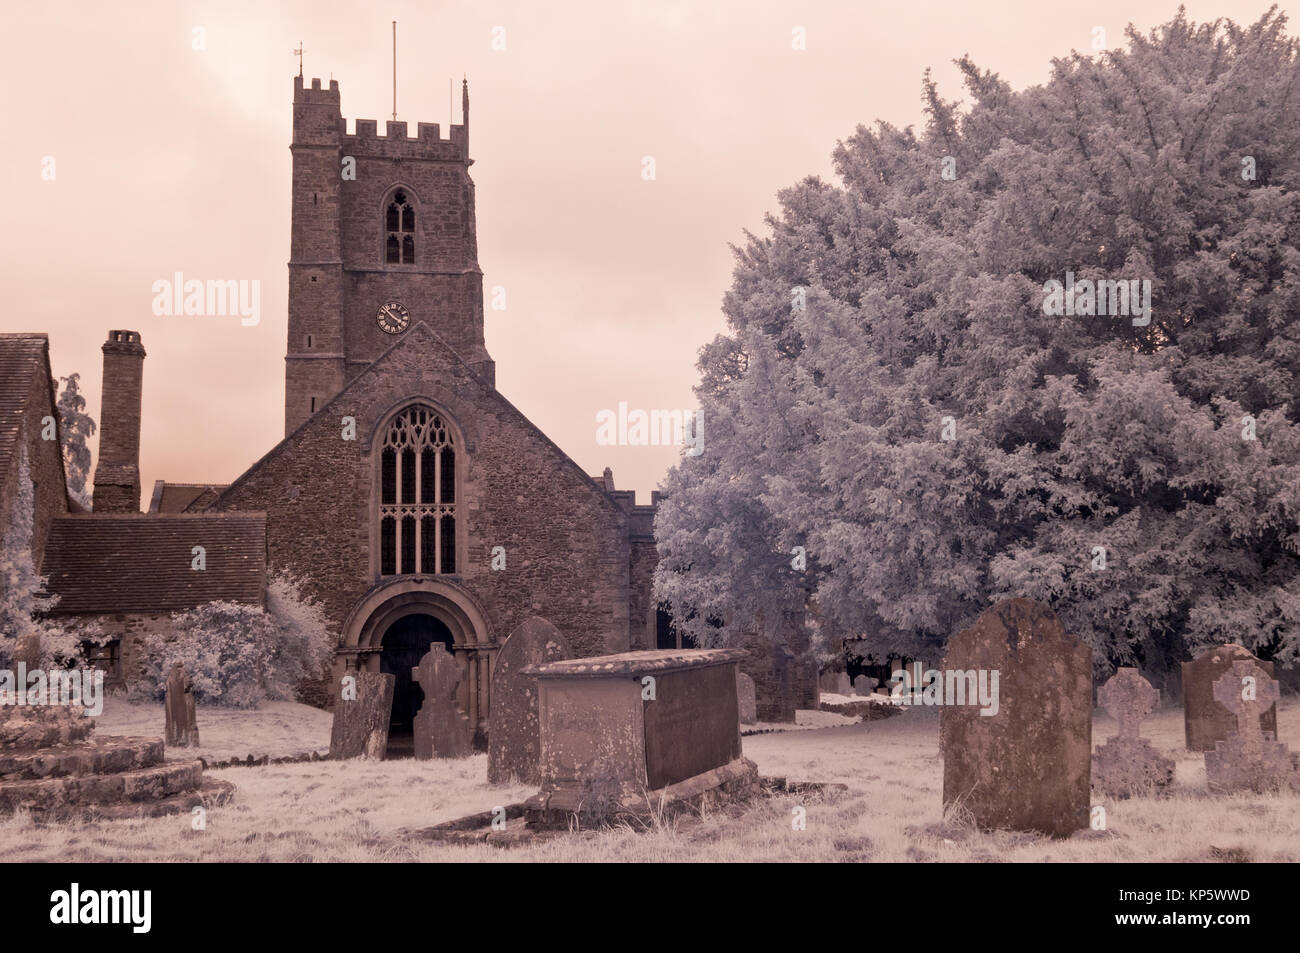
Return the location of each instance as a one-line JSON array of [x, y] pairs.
[[182, 497], [20, 356], [141, 562]]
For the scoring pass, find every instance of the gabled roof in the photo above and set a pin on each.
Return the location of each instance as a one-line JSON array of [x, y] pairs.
[[183, 497], [133, 562], [423, 336], [21, 357]]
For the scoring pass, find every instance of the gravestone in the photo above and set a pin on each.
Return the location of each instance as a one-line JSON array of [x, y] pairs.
[[1250, 759], [836, 683], [865, 685], [746, 698], [638, 736], [512, 725], [181, 720], [1126, 764], [1205, 721], [1027, 767], [363, 708], [28, 652], [442, 730]]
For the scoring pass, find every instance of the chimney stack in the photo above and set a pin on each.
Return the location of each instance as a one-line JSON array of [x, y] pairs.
[[117, 475]]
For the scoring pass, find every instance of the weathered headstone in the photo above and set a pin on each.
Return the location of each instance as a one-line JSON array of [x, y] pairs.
[[512, 726], [1026, 767], [28, 652], [638, 735], [442, 730], [865, 685], [830, 681], [181, 719], [1205, 720], [1126, 764], [746, 698], [1250, 759], [363, 707]]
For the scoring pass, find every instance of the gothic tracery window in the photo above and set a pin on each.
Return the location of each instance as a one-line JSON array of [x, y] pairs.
[[399, 223], [417, 495]]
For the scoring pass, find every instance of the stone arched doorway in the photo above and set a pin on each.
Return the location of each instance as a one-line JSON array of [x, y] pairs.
[[403, 645], [394, 625]]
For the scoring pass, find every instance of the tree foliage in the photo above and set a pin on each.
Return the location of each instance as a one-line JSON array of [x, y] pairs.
[[24, 603], [923, 299], [75, 427], [238, 654]]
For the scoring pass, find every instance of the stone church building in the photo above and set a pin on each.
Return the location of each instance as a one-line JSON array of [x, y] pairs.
[[415, 501]]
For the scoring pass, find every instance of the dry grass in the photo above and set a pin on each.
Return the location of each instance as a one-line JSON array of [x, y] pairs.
[[277, 729], [354, 811]]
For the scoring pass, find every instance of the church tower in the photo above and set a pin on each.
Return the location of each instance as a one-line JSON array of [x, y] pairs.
[[383, 237]]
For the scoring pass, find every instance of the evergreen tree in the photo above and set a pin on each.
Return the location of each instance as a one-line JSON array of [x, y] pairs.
[[75, 426], [897, 394]]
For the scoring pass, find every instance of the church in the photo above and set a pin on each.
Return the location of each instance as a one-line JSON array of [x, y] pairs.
[[416, 502], [413, 500]]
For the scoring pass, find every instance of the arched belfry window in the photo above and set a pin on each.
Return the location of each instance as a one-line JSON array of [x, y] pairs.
[[417, 495], [399, 223]]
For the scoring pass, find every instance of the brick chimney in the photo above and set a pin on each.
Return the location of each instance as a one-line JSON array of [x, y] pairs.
[[117, 475]]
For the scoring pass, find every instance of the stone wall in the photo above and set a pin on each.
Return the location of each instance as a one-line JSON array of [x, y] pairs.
[[567, 554]]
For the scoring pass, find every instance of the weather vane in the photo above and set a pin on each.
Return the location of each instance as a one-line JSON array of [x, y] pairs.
[[298, 53]]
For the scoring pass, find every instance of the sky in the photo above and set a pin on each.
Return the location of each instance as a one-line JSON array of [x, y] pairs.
[[169, 124]]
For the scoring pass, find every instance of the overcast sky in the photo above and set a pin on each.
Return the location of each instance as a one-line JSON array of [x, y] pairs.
[[170, 158]]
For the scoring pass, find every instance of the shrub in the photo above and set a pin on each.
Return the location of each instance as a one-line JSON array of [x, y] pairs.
[[236, 654]]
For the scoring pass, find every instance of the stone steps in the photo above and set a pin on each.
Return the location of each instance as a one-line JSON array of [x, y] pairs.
[[44, 727], [211, 793], [78, 792], [109, 755]]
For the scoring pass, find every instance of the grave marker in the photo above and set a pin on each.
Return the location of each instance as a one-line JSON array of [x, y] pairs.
[[442, 730], [361, 723], [181, 723], [512, 727], [1126, 764], [1027, 767], [1250, 759]]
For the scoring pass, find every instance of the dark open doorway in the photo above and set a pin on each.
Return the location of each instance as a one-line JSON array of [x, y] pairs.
[[405, 643]]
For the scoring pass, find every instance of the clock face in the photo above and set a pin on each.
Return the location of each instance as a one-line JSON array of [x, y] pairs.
[[393, 318]]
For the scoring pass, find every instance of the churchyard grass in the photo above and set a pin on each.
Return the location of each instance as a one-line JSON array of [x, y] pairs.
[[892, 811]]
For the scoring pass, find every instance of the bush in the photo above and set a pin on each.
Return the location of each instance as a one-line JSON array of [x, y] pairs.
[[236, 654]]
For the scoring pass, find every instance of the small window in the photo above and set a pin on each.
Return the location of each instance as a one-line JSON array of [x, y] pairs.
[[313, 405], [309, 344], [107, 658], [399, 224]]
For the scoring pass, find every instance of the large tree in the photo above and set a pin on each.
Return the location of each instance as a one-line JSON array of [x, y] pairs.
[[1140, 476]]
